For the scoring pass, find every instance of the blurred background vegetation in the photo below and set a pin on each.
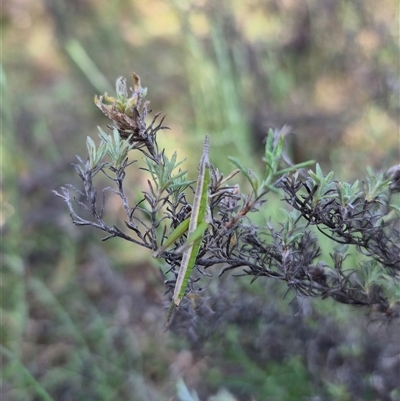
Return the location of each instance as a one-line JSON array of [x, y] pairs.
[[82, 319]]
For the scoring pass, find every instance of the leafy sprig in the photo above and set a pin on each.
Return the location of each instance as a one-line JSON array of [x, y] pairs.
[[364, 219]]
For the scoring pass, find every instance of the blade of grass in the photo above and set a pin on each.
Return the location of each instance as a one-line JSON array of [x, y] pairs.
[[26, 375], [81, 58]]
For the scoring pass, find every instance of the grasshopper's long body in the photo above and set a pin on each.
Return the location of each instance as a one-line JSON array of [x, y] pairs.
[[197, 226]]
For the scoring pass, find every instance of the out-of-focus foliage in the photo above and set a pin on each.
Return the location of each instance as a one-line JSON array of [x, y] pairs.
[[80, 321]]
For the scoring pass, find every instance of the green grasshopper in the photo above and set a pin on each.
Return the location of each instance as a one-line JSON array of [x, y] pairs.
[[196, 226]]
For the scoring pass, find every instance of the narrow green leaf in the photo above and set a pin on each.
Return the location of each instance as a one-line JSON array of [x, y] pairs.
[[247, 173]]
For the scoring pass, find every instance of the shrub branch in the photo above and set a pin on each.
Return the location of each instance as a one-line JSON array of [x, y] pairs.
[[356, 216]]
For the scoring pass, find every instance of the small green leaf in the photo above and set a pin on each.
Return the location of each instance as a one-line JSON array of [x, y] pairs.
[[95, 155], [163, 177], [376, 187], [249, 175]]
